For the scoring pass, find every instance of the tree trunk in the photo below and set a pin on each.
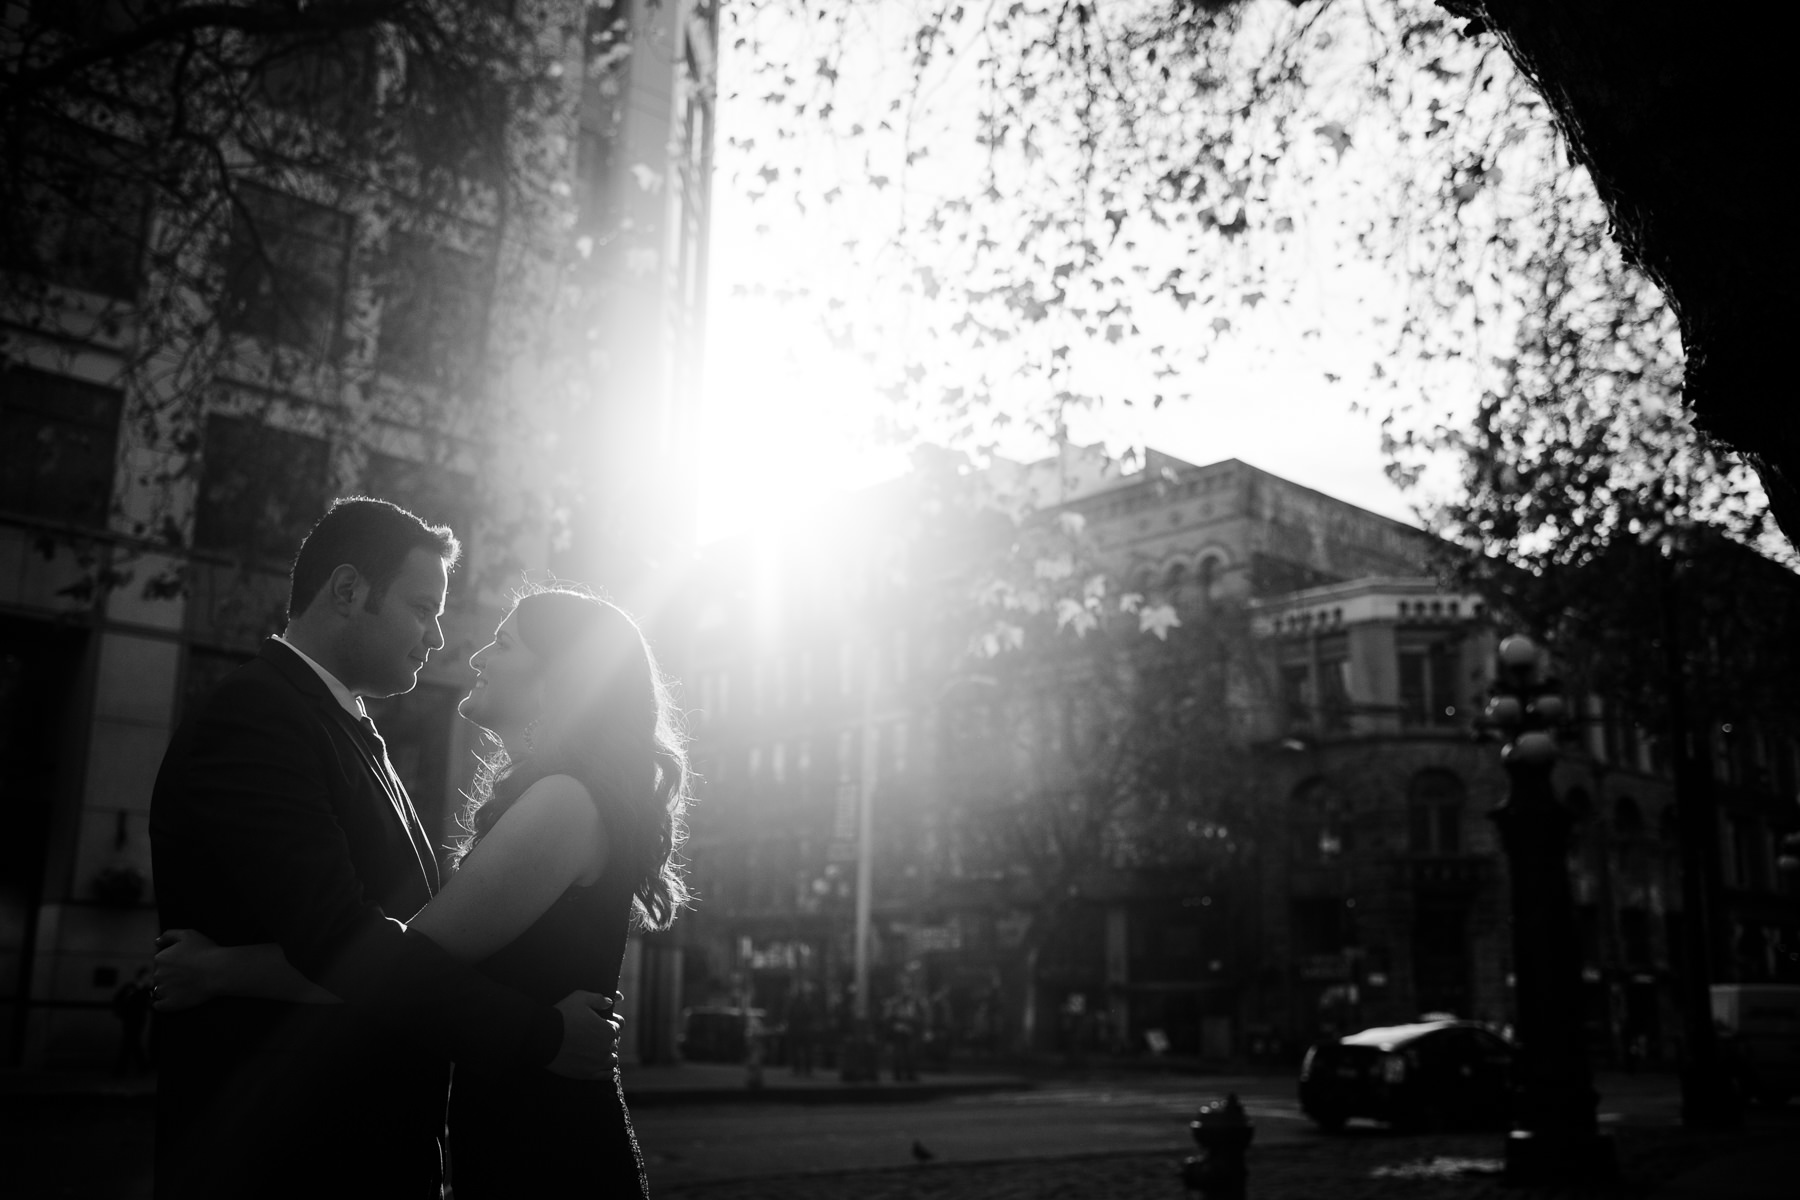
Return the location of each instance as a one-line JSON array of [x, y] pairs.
[[1680, 116]]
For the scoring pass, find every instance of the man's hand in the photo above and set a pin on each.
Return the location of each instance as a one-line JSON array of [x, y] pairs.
[[188, 970], [590, 1044]]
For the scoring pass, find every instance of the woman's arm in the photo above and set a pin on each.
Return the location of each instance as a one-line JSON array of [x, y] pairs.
[[191, 969], [547, 841]]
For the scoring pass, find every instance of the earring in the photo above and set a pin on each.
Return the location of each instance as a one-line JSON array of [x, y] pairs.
[[530, 730]]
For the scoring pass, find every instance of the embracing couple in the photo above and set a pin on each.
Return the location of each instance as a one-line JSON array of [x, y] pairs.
[[316, 978]]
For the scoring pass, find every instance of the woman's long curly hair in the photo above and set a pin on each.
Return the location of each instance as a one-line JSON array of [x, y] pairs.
[[615, 729]]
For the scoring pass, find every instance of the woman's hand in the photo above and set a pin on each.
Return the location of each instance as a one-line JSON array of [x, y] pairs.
[[188, 972]]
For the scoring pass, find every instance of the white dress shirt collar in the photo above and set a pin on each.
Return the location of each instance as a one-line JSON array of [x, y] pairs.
[[351, 702]]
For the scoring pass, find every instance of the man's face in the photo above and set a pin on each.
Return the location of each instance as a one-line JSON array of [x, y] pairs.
[[390, 644]]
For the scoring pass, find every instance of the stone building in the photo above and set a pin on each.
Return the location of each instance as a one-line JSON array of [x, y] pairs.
[[141, 558], [1377, 890]]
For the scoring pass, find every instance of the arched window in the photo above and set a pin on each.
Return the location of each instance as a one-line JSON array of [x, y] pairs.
[[1176, 577], [1434, 807]]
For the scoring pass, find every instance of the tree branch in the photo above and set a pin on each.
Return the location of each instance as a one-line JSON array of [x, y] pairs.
[[262, 20]]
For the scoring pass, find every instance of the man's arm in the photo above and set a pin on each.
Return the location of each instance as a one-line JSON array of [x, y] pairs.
[[257, 793]]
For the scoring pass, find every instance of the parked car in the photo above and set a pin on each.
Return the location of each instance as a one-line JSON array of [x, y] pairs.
[[716, 1033], [1429, 1075]]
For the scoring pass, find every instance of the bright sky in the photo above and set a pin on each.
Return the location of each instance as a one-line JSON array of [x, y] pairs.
[[789, 419]]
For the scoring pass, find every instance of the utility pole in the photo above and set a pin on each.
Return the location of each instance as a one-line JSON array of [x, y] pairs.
[[865, 836], [859, 1053]]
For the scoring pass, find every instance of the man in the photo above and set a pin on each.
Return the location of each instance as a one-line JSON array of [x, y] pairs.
[[277, 817]]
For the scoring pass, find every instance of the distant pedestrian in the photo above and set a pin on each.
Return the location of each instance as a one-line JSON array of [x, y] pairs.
[[803, 1019], [902, 1013], [131, 1004]]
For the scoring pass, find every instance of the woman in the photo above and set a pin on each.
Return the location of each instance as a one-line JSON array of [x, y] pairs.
[[573, 830]]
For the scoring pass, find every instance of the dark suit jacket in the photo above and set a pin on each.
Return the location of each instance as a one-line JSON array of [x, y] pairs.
[[277, 819]]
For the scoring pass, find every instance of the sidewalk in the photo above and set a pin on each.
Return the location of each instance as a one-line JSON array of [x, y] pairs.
[[727, 1083], [645, 1086]]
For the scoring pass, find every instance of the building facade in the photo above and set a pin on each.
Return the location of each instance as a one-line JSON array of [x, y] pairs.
[[1371, 887], [145, 530]]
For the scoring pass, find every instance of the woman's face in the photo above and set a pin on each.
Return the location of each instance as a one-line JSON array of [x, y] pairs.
[[506, 695]]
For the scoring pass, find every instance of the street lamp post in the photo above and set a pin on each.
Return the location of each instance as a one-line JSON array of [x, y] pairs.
[[1555, 1137]]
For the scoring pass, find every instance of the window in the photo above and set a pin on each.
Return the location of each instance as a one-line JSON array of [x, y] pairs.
[[1428, 693], [1318, 821], [778, 762], [57, 444], [1621, 739], [441, 496], [1434, 812], [1208, 574], [324, 77], [1334, 692], [1296, 693], [433, 310], [284, 270], [261, 489], [75, 212], [1749, 853]]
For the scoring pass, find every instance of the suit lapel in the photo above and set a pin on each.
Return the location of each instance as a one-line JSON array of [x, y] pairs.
[[373, 755]]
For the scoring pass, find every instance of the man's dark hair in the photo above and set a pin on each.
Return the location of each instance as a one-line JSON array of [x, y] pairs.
[[374, 536]]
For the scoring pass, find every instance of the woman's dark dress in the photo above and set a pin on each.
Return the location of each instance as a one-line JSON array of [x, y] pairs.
[[530, 1133]]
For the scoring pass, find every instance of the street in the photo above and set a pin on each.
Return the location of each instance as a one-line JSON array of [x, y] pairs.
[[97, 1146], [1093, 1115]]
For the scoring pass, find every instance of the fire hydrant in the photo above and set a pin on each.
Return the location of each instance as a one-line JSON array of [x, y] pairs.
[[1223, 1132]]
